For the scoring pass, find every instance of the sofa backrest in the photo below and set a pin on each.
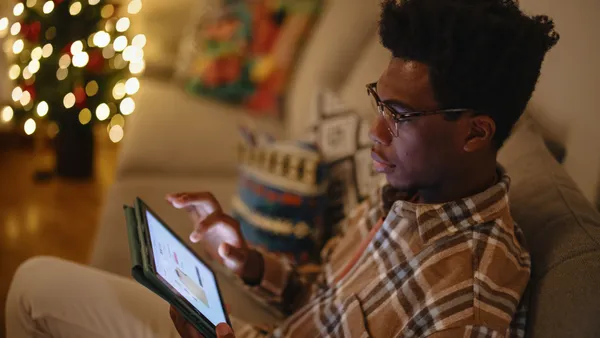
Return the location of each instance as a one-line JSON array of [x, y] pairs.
[[562, 230]]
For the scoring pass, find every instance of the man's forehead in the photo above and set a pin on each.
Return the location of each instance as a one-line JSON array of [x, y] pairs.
[[407, 81]]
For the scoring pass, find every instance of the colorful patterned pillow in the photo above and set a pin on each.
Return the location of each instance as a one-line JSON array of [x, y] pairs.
[[281, 197], [246, 51]]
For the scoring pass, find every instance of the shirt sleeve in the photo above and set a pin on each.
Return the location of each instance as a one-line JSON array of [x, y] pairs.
[[467, 331]]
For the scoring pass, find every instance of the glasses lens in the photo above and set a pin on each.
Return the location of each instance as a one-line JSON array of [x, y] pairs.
[[389, 119]]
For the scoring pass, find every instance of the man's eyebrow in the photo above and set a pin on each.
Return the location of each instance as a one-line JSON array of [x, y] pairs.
[[400, 104]]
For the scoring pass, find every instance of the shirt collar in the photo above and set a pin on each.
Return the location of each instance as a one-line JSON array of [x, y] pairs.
[[435, 221]]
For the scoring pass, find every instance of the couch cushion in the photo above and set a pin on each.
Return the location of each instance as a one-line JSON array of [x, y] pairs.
[[174, 132], [563, 235]]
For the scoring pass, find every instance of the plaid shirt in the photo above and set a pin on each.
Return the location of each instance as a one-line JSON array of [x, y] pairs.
[[457, 269]]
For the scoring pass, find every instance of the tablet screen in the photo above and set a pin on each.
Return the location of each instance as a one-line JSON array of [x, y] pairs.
[[185, 273]]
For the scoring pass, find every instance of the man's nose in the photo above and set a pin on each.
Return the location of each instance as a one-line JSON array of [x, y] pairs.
[[380, 131]]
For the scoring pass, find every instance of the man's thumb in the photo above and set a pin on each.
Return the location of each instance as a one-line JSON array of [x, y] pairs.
[[224, 331], [232, 256]]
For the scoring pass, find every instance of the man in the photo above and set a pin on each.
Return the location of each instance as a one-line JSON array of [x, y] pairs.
[[438, 255]]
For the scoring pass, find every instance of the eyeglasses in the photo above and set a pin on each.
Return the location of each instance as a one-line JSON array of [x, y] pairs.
[[393, 116]]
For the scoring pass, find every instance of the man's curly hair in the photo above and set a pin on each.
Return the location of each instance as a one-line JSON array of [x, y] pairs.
[[483, 55]]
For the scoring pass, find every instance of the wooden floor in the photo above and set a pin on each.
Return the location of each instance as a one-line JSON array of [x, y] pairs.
[[57, 217]]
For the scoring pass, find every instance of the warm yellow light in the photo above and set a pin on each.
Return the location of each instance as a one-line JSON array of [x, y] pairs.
[[136, 67], [29, 126], [37, 53], [13, 72], [42, 109], [27, 74], [15, 28], [94, 2], [119, 91], [34, 66], [132, 86], [108, 52], [62, 73], [18, 9], [139, 41], [48, 7], [118, 62], [18, 46], [123, 24], [133, 54], [3, 24], [52, 129], [80, 59], [127, 106], [120, 43], [116, 133], [91, 88], [75, 8], [85, 116], [134, 7], [51, 33], [7, 114], [31, 3], [25, 98], [102, 112], [69, 100], [64, 61], [17, 93], [107, 11], [47, 50], [101, 39], [117, 120], [76, 47]]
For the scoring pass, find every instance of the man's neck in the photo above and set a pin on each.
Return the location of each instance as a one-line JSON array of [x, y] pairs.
[[465, 185]]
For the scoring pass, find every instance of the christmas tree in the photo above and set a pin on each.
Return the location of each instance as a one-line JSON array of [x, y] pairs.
[[73, 64]]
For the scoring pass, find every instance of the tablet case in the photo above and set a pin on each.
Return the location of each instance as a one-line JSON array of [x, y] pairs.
[[140, 271]]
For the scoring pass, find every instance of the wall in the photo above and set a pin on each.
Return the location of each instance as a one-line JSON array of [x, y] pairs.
[[566, 99]]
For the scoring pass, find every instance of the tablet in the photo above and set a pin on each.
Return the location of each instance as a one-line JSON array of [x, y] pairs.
[[173, 271]]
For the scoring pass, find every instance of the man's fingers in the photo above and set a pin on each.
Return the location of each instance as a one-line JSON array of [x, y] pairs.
[[204, 201], [218, 219], [233, 257], [224, 331]]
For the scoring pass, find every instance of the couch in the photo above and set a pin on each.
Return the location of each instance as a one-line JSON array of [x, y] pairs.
[[177, 142]]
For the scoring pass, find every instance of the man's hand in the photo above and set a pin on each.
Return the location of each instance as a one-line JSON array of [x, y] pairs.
[[187, 330], [220, 233]]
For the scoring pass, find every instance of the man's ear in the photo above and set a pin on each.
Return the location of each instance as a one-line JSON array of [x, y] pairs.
[[482, 129]]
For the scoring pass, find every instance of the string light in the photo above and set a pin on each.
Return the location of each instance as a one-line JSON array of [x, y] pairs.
[[27, 74], [133, 54], [31, 3], [15, 28], [47, 50], [108, 52], [42, 109], [17, 93], [101, 39], [34, 66], [76, 47], [107, 11], [3, 27], [123, 24], [139, 41], [25, 98], [132, 86], [117, 120], [51, 33], [80, 59], [120, 43], [69, 100], [18, 9], [116, 133], [64, 61], [18, 46], [119, 91], [127, 106], [36, 53], [29, 126], [136, 67], [48, 7], [119, 62], [85, 116], [134, 7], [94, 2], [75, 8], [102, 111], [62, 73], [7, 114], [91, 88], [13, 72]]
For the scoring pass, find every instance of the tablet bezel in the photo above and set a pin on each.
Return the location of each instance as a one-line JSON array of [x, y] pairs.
[[151, 266]]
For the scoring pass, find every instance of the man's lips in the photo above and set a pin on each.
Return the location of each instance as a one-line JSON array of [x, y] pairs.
[[380, 164]]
